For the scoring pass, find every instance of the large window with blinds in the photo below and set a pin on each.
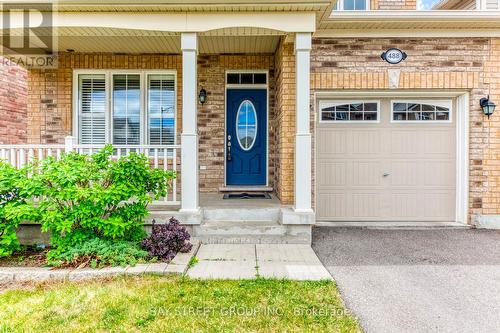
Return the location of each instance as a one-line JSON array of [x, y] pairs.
[[125, 108]]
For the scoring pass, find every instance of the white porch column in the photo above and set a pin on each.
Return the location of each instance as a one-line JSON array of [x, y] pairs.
[[303, 154], [189, 136]]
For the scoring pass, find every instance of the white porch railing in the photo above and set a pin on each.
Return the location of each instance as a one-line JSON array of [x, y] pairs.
[[160, 156]]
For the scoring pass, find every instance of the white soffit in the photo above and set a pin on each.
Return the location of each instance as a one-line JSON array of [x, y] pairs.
[[238, 44], [102, 40], [168, 44], [410, 24], [106, 40], [188, 5]]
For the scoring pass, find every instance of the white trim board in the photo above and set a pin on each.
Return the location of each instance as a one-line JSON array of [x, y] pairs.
[[406, 33], [462, 134], [394, 225], [415, 15], [486, 221]]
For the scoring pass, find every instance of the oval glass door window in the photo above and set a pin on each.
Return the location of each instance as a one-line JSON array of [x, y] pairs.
[[246, 125]]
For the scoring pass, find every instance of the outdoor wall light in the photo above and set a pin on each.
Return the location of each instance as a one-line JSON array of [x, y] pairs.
[[202, 97], [487, 105]]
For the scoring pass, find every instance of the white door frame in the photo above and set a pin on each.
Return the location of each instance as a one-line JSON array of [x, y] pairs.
[[462, 98], [246, 86]]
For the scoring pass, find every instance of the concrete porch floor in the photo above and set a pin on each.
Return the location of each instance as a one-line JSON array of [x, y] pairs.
[[215, 200]]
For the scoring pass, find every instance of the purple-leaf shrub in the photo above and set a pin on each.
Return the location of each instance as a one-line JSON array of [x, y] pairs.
[[166, 240]]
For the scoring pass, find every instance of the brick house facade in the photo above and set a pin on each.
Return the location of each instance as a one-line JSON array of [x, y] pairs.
[[13, 103], [338, 61]]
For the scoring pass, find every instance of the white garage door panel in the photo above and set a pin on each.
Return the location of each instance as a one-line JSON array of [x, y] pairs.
[[418, 158]]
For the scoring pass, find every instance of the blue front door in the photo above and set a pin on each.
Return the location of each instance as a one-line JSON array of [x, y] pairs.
[[246, 137]]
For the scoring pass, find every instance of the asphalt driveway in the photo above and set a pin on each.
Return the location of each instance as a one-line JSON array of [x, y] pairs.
[[441, 280]]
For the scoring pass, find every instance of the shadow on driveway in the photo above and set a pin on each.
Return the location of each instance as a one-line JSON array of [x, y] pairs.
[[434, 280]]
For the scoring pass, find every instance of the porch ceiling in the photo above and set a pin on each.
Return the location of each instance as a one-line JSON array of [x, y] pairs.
[[190, 5], [168, 44], [110, 40]]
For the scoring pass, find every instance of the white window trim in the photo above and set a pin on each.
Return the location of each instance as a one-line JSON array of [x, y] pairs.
[[325, 103], [340, 7], [443, 103], [144, 133]]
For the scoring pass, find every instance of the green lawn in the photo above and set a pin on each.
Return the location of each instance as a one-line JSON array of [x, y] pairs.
[[173, 304]]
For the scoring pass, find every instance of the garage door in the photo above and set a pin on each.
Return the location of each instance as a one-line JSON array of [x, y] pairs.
[[386, 160]]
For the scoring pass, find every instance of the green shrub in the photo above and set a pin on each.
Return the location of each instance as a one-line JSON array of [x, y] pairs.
[[99, 253], [85, 197], [13, 209]]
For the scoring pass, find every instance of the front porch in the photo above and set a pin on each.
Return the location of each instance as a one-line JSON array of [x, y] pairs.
[[140, 92]]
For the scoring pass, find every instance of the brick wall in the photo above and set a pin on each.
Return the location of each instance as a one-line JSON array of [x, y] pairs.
[[13, 103], [471, 64], [50, 101], [211, 116], [437, 64], [50, 90], [485, 143], [285, 122]]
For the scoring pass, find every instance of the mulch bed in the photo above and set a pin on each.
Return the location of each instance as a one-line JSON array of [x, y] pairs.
[[28, 257]]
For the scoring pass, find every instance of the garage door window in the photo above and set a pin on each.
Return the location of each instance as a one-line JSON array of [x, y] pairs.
[[352, 111], [421, 111]]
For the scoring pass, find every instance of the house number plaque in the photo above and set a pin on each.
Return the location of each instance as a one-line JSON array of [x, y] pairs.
[[394, 56]]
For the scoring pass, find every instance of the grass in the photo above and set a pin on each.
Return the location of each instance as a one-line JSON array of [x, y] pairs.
[[193, 261], [175, 304]]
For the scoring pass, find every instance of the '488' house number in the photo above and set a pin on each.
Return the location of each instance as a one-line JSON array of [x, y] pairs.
[[394, 56]]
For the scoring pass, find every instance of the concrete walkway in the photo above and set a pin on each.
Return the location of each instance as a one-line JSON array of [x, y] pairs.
[[249, 261], [440, 280]]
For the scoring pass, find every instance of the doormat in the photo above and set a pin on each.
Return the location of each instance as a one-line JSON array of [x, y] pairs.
[[246, 196]]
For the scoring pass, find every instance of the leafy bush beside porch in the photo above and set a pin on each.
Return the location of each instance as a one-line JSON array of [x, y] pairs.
[[80, 198]]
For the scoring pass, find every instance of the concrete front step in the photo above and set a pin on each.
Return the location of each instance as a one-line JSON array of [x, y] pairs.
[[251, 232], [160, 216], [241, 214], [254, 239], [221, 228]]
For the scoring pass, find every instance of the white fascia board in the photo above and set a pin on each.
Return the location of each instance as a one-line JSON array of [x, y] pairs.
[[414, 93], [184, 22], [406, 33], [414, 15]]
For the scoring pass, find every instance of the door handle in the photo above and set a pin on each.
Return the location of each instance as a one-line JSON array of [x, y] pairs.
[[386, 174], [228, 155]]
